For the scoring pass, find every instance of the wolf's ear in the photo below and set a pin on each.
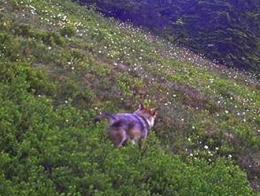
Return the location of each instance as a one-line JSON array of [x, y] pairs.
[[141, 106], [154, 111]]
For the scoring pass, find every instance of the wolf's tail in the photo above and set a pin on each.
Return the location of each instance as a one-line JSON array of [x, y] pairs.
[[102, 116]]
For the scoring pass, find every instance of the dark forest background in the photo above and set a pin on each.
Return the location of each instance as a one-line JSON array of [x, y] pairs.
[[224, 31]]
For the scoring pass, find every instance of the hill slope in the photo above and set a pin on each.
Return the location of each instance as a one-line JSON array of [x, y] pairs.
[[61, 64], [226, 31]]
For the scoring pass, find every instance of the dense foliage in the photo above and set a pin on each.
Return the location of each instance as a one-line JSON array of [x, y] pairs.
[[61, 64], [227, 31]]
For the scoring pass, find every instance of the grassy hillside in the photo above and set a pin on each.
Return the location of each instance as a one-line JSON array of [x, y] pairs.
[[61, 64]]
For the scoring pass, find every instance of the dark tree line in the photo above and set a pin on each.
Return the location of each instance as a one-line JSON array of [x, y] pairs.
[[227, 31]]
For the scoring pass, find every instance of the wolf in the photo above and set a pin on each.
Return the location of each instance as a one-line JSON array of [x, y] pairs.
[[124, 127]]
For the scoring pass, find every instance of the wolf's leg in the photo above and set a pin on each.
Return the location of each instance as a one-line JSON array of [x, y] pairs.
[[123, 140], [139, 142], [118, 137]]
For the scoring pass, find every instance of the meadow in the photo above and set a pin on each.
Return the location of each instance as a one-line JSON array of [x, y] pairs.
[[62, 64]]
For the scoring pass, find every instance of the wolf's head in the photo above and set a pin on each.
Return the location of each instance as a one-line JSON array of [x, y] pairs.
[[149, 114]]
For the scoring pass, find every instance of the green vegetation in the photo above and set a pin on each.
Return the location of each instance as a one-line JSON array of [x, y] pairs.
[[61, 64]]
